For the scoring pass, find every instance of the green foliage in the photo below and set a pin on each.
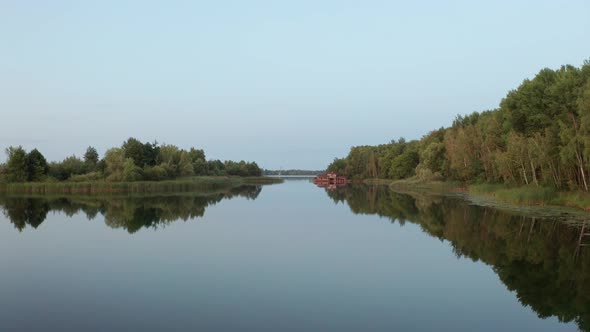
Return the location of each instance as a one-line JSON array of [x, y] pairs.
[[242, 168], [88, 177], [36, 164], [195, 155], [404, 165], [540, 135], [337, 166], [169, 154], [133, 161], [132, 148], [432, 155], [142, 154], [155, 173], [215, 167], [114, 164], [67, 168], [524, 195], [23, 166], [131, 172], [91, 158], [150, 153], [3, 173], [200, 167], [185, 167], [16, 166], [197, 161]]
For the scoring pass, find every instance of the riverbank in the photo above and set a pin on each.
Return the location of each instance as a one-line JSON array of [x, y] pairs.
[[517, 196], [532, 195], [104, 187]]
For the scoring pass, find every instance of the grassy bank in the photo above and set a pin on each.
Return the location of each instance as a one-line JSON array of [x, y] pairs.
[[519, 196], [427, 185], [532, 195], [95, 187], [523, 195]]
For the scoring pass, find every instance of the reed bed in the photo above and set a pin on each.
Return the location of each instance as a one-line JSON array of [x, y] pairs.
[[102, 187]]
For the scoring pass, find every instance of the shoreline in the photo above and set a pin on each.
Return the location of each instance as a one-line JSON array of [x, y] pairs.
[[542, 201], [189, 184]]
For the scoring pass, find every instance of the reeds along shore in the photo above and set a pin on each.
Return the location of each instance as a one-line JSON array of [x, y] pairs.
[[515, 195], [179, 185]]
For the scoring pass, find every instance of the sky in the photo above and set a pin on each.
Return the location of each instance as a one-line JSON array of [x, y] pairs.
[[288, 84]]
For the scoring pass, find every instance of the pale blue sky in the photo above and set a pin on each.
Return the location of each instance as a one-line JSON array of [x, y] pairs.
[[287, 84]]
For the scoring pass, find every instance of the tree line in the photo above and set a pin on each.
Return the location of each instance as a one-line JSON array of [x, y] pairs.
[[539, 135], [132, 161]]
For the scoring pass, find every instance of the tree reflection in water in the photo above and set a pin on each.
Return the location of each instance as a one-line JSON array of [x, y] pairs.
[[127, 212], [533, 257]]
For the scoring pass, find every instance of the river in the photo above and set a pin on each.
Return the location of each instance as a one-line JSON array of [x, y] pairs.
[[286, 257]]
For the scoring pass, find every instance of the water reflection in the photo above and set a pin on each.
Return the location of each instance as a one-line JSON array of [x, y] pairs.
[[127, 212], [532, 257]]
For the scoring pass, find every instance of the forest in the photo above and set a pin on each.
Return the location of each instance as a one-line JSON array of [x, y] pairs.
[[132, 161], [539, 136]]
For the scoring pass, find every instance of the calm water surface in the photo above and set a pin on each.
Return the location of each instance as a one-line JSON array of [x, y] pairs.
[[288, 257]]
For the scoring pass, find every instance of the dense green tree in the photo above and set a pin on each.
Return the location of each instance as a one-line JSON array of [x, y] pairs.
[[114, 164], [185, 167], [169, 154], [431, 155], [150, 153], [16, 166], [155, 173], [583, 106], [195, 155], [134, 149], [91, 158], [131, 172], [252, 169], [404, 165], [337, 166], [200, 167], [65, 169], [3, 173], [36, 164], [242, 168], [215, 167]]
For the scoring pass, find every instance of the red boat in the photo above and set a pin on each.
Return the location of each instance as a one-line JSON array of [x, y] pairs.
[[330, 180]]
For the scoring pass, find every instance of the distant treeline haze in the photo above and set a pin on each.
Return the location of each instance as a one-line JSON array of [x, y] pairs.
[[133, 161], [539, 135], [292, 172]]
